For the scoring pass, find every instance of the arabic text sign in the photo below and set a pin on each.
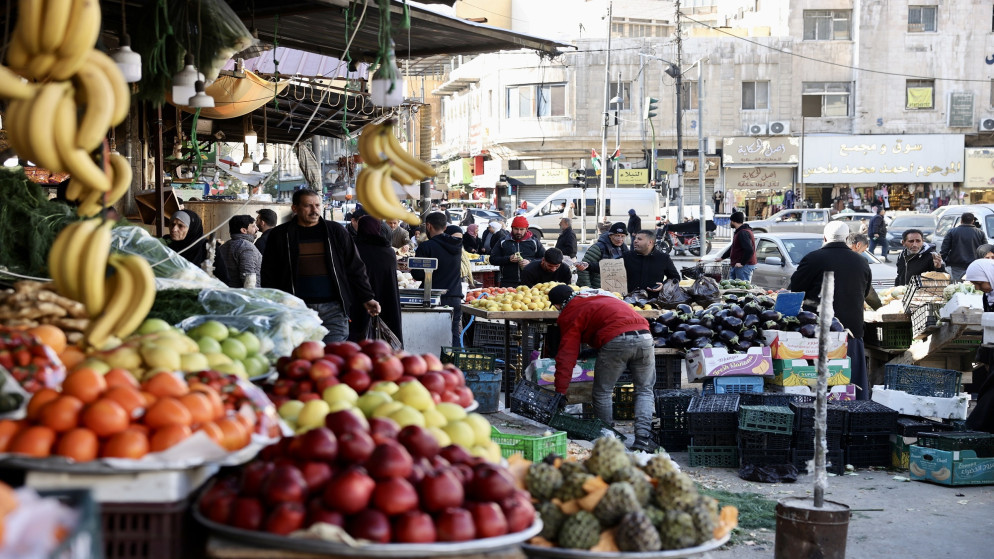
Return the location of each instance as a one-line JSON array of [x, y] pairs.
[[613, 275], [883, 158], [978, 168], [775, 150], [760, 178]]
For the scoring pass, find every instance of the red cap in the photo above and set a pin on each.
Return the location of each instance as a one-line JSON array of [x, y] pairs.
[[520, 221]]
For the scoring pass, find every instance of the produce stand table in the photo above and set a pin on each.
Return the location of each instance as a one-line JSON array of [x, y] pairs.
[[222, 548]]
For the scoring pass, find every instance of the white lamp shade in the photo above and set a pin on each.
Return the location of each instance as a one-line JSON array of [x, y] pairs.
[[246, 165], [183, 84], [129, 62], [201, 100], [266, 165], [387, 87], [251, 139]]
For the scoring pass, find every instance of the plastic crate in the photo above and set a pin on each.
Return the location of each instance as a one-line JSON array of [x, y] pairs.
[[805, 440], [977, 441], [891, 335], [531, 447], [711, 413], [490, 333], [868, 455], [922, 381], [735, 384], [758, 440], [624, 401], [534, 402], [669, 371], [486, 389], [835, 461], [760, 457], [804, 416], [768, 419], [923, 290], [924, 319], [584, 427], [868, 417], [768, 399], [469, 358], [83, 541], [673, 440], [671, 408], [714, 456], [714, 438], [150, 530], [913, 426]]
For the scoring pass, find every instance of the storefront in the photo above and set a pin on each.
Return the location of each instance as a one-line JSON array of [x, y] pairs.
[[902, 172], [760, 174], [978, 175]]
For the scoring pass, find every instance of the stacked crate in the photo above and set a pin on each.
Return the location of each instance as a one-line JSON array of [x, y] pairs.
[[765, 434], [909, 429], [673, 423], [713, 423], [868, 429], [804, 435]]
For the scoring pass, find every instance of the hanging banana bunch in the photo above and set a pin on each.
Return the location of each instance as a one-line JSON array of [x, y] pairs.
[[385, 161]]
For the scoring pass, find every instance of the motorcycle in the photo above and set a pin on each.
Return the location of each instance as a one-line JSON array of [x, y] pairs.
[[683, 238]]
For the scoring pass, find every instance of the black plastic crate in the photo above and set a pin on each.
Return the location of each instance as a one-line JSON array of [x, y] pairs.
[[977, 441], [767, 399], [762, 457], [669, 371], [923, 290], [673, 440], [714, 438], [804, 416], [713, 419], [624, 401], [889, 335], [909, 426], [469, 358], [534, 402], [805, 440], [491, 333], [924, 319], [584, 427], [868, 417], [922, 381], [758, 440], [768, 419], [835, 460], [867, 455], [671, 408], [714, 456]]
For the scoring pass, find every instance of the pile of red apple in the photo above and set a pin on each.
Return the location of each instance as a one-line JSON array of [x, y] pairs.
[[377, 483], [313, 366]]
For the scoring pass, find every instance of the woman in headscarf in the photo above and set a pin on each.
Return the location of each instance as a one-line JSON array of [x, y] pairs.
[[981, 274], [471, 242], [985, 251], [374, 248], [185, 232]]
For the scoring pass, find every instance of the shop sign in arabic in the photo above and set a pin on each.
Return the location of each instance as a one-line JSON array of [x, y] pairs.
[[978, 168], [760, 178], [775, 150], [884, 158]]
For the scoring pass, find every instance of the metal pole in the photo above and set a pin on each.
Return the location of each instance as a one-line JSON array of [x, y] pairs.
[[700, 153], [826, 312], [617, 134], [607, 96], [679, 118]]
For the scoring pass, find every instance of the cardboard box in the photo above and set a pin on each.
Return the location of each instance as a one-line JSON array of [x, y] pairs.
[[900, 450], [792, 345], [923, 406], [839, 372], [710, 362], [545, 371], [950, 467], [835, 393]]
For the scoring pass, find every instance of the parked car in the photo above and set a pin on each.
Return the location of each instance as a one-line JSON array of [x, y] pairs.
[[923, 222], [812, 220], [950, 218], [480, 217], [778, 254], [855, 219]]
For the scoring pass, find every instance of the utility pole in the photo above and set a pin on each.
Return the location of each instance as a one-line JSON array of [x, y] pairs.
[[701, 166], [617, 125], [607, 96], [679, 115]]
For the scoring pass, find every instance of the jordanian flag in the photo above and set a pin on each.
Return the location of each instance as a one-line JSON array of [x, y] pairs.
[[595, 159]]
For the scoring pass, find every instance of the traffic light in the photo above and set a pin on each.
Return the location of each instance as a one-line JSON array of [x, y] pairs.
[[649, 108]]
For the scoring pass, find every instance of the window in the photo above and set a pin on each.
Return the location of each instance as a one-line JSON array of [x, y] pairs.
[[551, 100], [827, 25], [755, 95], [789, 217], [530, 101], [767, 249], [556, 206], [623, 90], [825, 99], [815, 217], [688, 95], [921, 19], [921, 94]]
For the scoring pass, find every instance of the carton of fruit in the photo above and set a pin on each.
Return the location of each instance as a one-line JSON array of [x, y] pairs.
[[950, 467], [715, 362], [545, 370], [792, 345], [793, 372]]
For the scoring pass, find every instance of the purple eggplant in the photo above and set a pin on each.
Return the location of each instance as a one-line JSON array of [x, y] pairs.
[[808, 330], [807, 317], [698, 331]]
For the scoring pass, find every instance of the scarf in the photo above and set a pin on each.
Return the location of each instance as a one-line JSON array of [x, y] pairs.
[[981, 270], [195, 253]]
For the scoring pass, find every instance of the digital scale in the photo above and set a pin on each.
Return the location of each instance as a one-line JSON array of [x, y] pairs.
[[424, 296]]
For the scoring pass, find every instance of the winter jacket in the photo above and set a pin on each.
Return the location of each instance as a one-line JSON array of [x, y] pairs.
[[852, 282], [399, 237], [567, 242], [448, 250], [598, 251], [510, 272], [381, 265], [496, 239], [279, 263], [241, 258], [915, 264], [743, 246], [471, 244], [634, 225], [959, 248], [647, 271], [533, 274], [260, 243], [593, 318], [878, 226]]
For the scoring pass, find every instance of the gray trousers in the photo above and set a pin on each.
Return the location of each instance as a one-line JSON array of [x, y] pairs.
[[333, 318], [634, 353]]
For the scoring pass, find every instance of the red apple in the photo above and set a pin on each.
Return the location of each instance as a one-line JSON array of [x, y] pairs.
[[440, 490], [317, 475], [455, 454], [389, 460], [317, 512], [285, 485], [308, 396], [377, 348], [305, 386], [355, 447], [451, 380], [342, 349], [435, 397], [490, 483], [247, 513], [280, 400], [519, 511], [358, 380], [450, 396], [322, 368], [369, 524], [337, 360], [349, 491], [432, 362], [219, 509], [321, 384], [359, 362], [434, 381], [281, 364], [344, 421], [414, 527], [388, 367], [438, 463], [489, 520], [253, 476], [394, 496], [455, 525], [414, 365], [276, 450], [283, 387], [297, 369], [285, 518], [418, 441], [406, 378], [317, 444], [383, 429], [310, 350], [464, 472], [418, 471], [465, 396]]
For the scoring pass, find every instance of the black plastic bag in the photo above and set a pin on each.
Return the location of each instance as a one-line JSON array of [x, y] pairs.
[[705, 291], [672, 295], [378, 330], [769, 473]]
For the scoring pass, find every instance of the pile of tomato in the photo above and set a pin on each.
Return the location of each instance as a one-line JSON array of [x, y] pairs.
[[487, 292]]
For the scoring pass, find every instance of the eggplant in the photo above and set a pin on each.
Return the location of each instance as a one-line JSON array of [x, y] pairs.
[[837, 326], [730, 298], [750, 321], [693, 321], [659, 329], [752, 308], [736, 311], [808, 330], [769, 314], [769, 325], [743, 346], [684, 308], [701, 343], [718, 344], [697, 331], [660, 342], [766, 302], [699, 313], [679, 339], [733, 323], [748, 334], [708, 321], [669, 318], [715, 307], [729, 337], [807, 317], [682, 327], [721, 314]]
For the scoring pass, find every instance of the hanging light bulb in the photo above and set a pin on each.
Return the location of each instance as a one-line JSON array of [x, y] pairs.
[[387, 87], [127, 60], [201, 100], [251, 138], [246, 165], [184, 82], [266, 164]]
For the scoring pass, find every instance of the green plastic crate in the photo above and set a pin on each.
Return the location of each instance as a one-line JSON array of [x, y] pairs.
[[893, 335], [469, 358], [766, 419], [714, 456], [531, 447], [584, 427]]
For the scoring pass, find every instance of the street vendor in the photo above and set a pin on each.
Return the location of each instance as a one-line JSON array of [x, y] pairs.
[[981, 274], [515, 253], [549, 268], [621, 336], [917, 257], [646, 267]]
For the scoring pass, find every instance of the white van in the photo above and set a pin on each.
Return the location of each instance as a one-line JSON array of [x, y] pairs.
[[543, 219]]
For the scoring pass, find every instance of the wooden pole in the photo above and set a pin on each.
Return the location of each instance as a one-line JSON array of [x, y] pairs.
[[826, 312]]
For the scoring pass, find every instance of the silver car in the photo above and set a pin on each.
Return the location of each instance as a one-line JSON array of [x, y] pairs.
[[808, 220], [778, 254]]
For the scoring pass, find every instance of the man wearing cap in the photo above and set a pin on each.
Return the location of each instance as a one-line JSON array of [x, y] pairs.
[[515, 253], [742, 257], [645, 267], [549, 268], [265, 222], [609, 246], [621, 336], [959, 248], [852, 285]]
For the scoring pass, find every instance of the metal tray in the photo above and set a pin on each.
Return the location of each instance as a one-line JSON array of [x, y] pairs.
[[562, 553], [370, 550]]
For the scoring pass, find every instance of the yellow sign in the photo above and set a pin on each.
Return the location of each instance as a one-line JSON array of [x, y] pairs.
[[919, 97], [552, 176], [633, 176]]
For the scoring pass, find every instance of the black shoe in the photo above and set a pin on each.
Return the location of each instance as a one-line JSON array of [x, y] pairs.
[[645, 445]]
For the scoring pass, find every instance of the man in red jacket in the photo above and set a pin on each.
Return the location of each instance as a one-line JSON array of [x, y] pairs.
[[621, 336]]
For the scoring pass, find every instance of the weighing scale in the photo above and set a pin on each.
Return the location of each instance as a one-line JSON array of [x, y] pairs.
[[426, 297]]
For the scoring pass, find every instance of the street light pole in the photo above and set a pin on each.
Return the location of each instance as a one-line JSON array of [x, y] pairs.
[[700, 153], [617, 124], [679, 115], [607, 95]]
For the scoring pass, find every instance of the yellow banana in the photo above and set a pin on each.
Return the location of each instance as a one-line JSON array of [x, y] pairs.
[[142, 297], [389, 199], [402, 174], [54, 24], [93, 270], [41, 126], [18, 57], [82, 168], [122, 286], [13, 87], [405, 171], [98, 98], [391, 146], [370, 195], [72, 255], [29, 30], [16, 124], [56, 256], [79, 39], [368, 152], [122, 175], [65, 143], [119, 87], [362, 188]]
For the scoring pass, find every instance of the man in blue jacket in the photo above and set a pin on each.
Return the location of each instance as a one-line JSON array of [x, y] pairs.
[[448, 250]]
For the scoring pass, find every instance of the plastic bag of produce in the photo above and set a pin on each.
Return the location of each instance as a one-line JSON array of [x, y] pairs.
[[705, 291], [291, 322], [672, 295], [166, 263], [378, 330]]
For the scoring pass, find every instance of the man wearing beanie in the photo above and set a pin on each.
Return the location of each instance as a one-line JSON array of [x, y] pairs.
[[621, 336], [634, 224], [742, 257], [549, 268], [609, 246], [515, 253], [852, 285]]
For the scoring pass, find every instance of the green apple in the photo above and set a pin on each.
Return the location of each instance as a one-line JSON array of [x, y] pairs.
[[312, 414], [340, 393], [407, 415], [481, 428], [212, 329], [434, 418], [250, 341], [461, 434], [441, 436], [193, 362], [233, 349], [339, 406], [384, 410], [174, 344], [451, 411], [124, 357], [208, 344], [495, 452], [233, 368], [96, 364], [290, 410], [216, 359], [388, 386], [153, 325], [371, 400], [159, 357], [415, 394]]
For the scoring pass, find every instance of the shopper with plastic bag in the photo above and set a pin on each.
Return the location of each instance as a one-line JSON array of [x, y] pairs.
[[373, 246]]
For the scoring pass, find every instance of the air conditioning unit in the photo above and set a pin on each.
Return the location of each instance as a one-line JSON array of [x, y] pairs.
[[986, 124], [779, 127], [756, 129]]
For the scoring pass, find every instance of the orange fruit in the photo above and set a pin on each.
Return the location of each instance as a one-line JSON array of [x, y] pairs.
[[130, 443], [216, 402], [166, 384], [200, 406], [120, 377], [105, 417], [149, 398], [167, 411], [168, 436], [129, 398], [9, 428], [72, 356], [85, 384], [80, 444], [61, 414], [213, 431], [34, 441], [235, 434], [38, 401], [52, 336]]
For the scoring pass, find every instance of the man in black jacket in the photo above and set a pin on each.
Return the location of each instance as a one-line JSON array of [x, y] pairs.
[[852, 285], [549, 268], [877, 230], [316, 260], [265, 222], [448, 250], [917, 257], [646, 267], [634, 225], [567, 238], [515, 253], [959, 248]]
